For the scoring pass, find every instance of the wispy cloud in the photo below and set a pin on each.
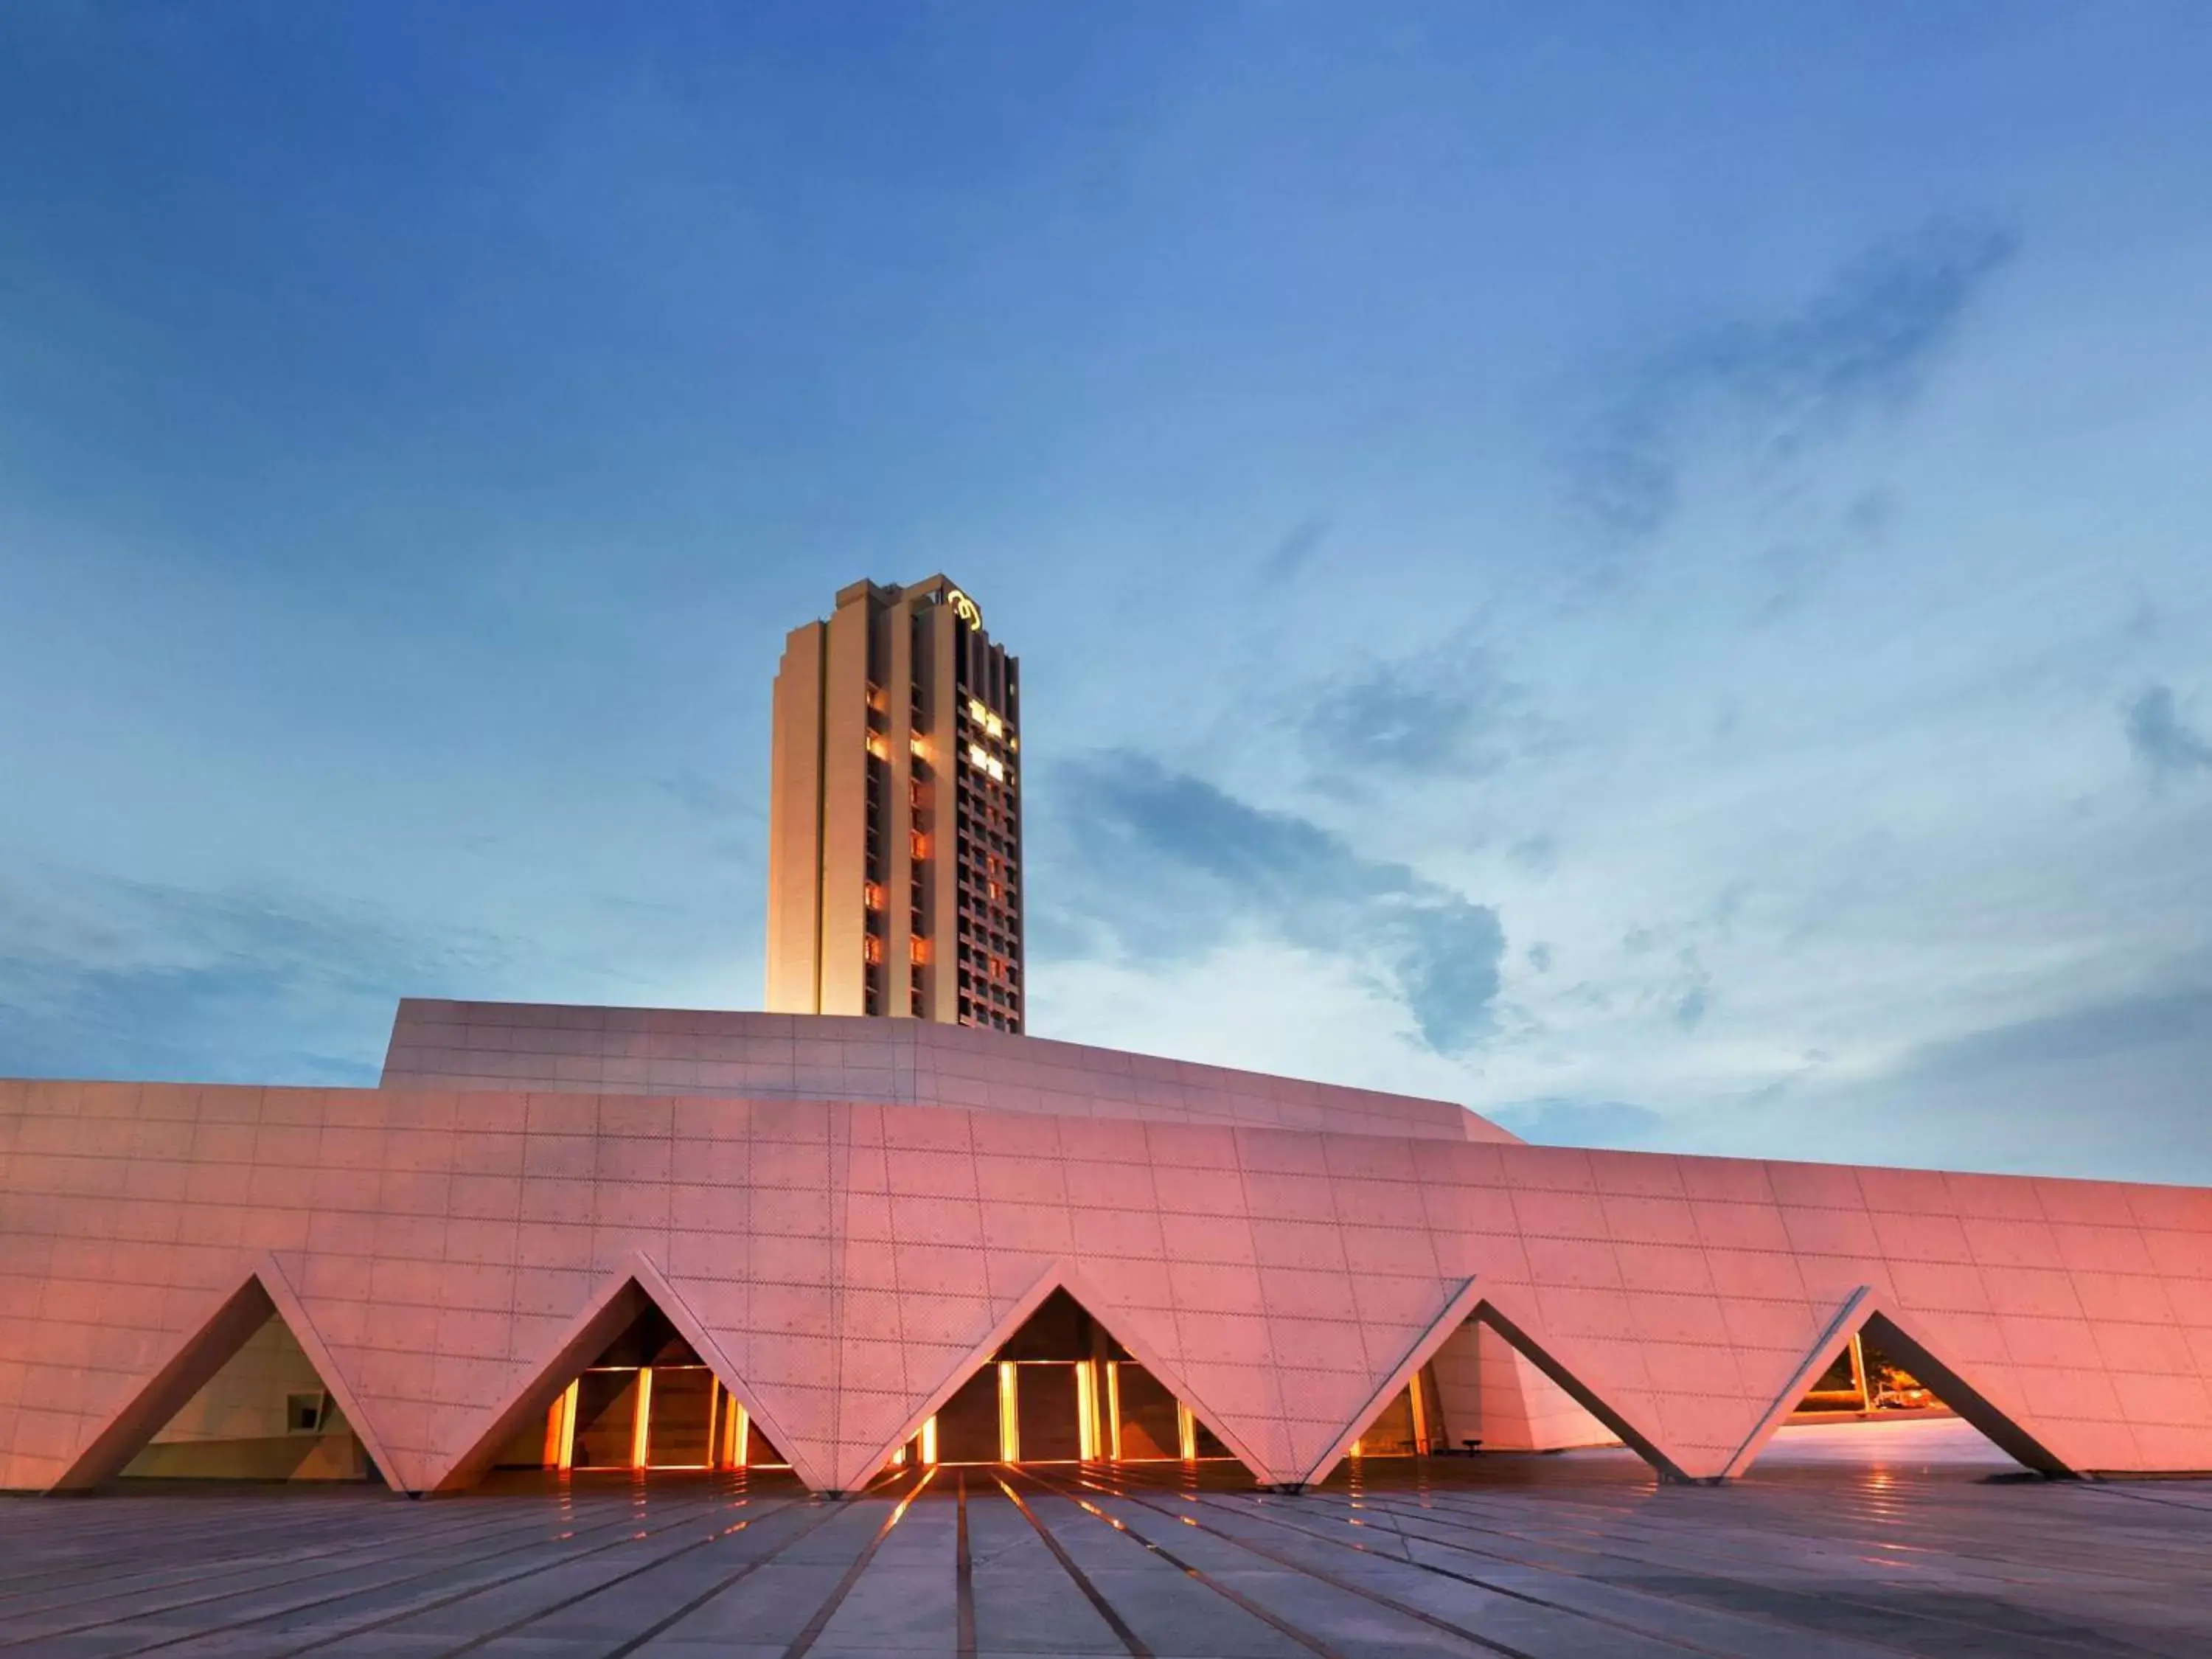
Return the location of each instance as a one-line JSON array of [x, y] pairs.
[[1295, 550], [1861, 348], [1163, 866], [2161, 739], [2113, 1087], [101, 977], [2101, 1032], [1446, 713]]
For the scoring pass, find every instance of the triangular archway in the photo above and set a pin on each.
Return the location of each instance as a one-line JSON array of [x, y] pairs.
[[1542, 1355], [1055, 1382], [635, 1382], [250, 1393], [1398, 1415], [1890, 1365], [1413, 1411]]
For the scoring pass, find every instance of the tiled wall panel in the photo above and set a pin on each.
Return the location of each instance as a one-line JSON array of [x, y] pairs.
[[849, 1261], [502, 1047]]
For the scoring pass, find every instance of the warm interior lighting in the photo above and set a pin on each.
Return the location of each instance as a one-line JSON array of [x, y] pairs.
[[1010, 1416], [918, 950], [977, 758], [640, 1435], [929, 1441], [918, 845], [1086, 1413], [871, 895], [878, 746], [563, 1430], [871, 949], [976, 712]]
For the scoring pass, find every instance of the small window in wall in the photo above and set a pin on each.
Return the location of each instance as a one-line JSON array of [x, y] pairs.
[[303, 1412]]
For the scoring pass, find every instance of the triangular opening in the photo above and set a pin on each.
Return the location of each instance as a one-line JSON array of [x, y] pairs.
[[628, 1391], [1492, 1398], [1579, 1392], [241, 1399], [1407, 1422], [1883, 1374], [1061, 1387]]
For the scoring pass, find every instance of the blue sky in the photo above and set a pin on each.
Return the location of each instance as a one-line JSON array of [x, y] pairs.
[[1648, 569]]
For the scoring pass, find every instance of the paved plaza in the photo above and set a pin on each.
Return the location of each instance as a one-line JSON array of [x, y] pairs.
[[1931, 1543]]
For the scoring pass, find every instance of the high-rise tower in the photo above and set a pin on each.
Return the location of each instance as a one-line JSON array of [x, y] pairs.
[[894, 821]]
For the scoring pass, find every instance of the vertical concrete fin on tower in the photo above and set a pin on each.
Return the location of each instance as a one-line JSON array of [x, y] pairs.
[[205, 1349], [622, 1296], [1457, 1308]]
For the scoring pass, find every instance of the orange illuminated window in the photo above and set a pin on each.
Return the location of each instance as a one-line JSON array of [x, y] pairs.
[[871, 949], [871, 895], [918, 950], [920, 846], [878, 746]]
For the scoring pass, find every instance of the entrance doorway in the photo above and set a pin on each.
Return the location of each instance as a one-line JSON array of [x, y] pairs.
[[648, 1402], [1061, 1389]]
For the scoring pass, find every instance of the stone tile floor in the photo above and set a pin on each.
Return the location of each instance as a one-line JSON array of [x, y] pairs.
[[1847, 1539]]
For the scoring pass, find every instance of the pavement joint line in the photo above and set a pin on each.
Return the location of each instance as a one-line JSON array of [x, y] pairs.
[[1105, 1609], [1490, 1644], [1508, 1591], [1661, 1536], [1827, 1595], [963, 1575], [361, 1590], [823, 1614], [1848, 1567], [215, 1531], [1304, 1638], [1660, 1541], [445, 1539], [485, 1637], [2045, 1639], [460, 1524], [1613, 1586], [464, 1594], [392, 1545], [669, 1622]]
